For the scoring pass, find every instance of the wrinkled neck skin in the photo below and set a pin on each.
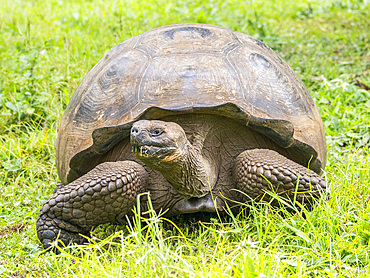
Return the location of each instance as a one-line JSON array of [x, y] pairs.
[[190, 175], [188, 172]]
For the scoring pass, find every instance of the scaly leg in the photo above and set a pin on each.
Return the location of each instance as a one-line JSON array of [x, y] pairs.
[[259, 170], [104, 195]]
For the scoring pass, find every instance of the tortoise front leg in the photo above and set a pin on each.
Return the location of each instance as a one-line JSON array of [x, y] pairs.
[[104, 195], [259, 170]]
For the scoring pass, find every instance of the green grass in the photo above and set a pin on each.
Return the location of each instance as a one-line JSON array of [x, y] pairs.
[[46, 47]]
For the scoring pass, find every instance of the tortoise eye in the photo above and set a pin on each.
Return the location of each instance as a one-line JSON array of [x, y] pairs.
[[156, 132]]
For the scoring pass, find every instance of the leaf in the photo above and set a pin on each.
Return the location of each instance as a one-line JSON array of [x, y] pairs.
[[299, 233], [11, 106], [30, 110], [250, 267], [2, 269], [291, 262]]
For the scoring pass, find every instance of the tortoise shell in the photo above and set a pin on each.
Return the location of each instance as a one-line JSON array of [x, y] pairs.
[[188, 68]]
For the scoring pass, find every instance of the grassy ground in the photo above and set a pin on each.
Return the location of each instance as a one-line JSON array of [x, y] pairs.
[[46, 47]]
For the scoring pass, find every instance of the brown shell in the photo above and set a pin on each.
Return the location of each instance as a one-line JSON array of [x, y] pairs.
[[188, 68]]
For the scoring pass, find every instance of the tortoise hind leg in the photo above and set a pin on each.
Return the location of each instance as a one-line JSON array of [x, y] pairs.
[[103, 195], [259, 170]]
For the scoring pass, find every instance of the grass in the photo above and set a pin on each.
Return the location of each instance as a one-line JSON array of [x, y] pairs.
[[46, 47]]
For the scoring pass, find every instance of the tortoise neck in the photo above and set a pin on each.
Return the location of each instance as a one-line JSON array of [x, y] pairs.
[[192, 175]]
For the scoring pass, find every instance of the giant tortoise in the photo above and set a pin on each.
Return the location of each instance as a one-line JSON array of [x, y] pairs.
[[199, 116]]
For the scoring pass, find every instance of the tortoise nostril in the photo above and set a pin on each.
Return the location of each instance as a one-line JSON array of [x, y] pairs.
[[134, 130]]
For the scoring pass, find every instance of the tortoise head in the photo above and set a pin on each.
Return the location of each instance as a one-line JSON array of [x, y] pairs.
[[157, 143], [163, 146]]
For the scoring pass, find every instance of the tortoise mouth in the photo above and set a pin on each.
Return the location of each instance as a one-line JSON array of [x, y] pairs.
[[157, 152]]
